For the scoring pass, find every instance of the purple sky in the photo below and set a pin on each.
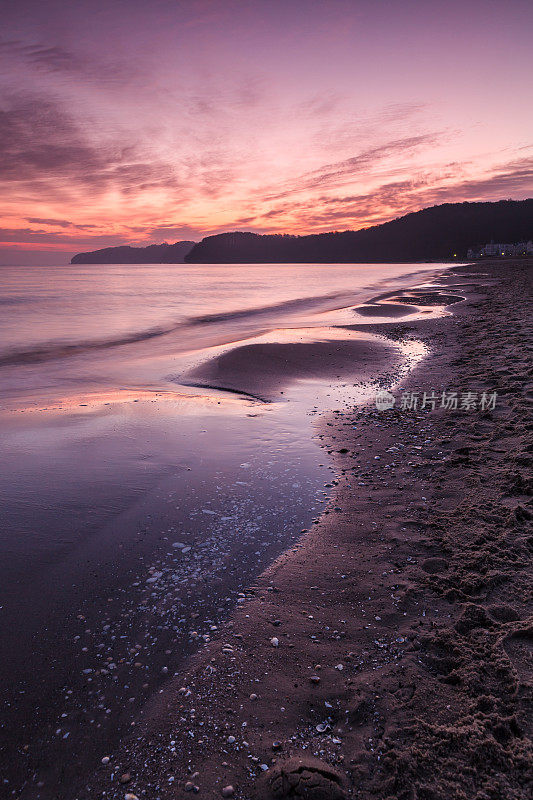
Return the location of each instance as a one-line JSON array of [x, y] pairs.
[[136, 122]]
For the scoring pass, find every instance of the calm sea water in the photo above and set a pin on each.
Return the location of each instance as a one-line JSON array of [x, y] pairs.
[[50, 306], [135, 508]]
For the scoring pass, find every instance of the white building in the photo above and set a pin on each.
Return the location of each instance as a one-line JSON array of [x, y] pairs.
[[499, 249]]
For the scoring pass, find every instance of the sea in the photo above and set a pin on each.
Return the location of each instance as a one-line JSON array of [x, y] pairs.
[[139, 505]]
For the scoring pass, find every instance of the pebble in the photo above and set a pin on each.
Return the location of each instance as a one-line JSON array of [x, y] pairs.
[[231, 739], [228, 791], [314, 679], [125, 778], [105, 760], [274, 641], [130, 796], [253, 696]]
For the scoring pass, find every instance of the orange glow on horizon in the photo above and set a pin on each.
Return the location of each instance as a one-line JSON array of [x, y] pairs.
[[178, 125]]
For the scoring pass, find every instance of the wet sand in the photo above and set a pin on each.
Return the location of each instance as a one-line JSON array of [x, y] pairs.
[[135, 518], [389, 653], [265, 370]]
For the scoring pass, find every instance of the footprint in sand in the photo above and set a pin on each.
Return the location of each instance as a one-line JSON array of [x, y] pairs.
[[519, 648], [302, 778]]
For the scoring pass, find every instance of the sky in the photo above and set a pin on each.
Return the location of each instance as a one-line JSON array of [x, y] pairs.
[[129, 122]]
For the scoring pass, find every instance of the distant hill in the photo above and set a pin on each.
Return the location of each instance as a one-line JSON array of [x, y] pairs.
[[153, 254], [433, 234], [438, 233]]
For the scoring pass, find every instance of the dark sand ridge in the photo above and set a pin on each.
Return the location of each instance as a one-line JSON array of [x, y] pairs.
[[421, 297], [399, 304], [265, 370], [394, 642], [384, 310]]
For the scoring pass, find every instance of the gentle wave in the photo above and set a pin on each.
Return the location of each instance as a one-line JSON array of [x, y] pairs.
[[288, 305], [48, 352], [18, 301]]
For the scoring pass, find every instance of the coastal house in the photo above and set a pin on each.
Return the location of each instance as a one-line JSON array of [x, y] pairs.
[[499, 249]]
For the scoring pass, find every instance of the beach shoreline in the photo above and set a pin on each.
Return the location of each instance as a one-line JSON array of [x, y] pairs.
[[392, 642], [135, 516]]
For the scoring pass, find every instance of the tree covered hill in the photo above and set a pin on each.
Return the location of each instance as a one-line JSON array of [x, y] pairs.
[[153, 254], [433, 234]]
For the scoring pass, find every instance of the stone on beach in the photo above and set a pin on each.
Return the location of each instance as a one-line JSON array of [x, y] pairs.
[[302, 777]]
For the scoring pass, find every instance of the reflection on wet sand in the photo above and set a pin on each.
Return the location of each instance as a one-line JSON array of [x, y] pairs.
[[138, 509]]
